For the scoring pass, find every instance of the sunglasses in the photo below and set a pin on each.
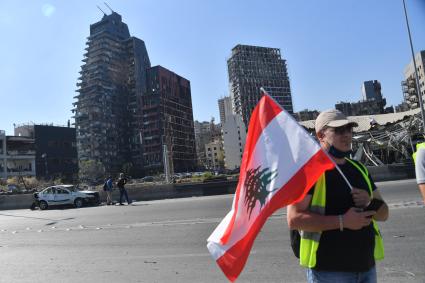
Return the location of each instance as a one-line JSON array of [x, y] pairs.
[[342, 130]]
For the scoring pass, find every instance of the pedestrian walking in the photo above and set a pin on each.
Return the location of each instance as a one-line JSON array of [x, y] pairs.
[[339, 237], [121, 186], [108, 187]]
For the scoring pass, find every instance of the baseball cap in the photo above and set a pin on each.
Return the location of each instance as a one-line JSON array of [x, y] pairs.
[[332, 118]]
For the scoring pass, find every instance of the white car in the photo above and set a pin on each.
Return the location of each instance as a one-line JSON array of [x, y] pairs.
[[64, 195]]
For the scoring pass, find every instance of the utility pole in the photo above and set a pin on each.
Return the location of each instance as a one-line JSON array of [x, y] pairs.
[[418, 88]]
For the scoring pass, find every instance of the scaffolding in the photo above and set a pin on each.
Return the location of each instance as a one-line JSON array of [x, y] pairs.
[[106, 112]]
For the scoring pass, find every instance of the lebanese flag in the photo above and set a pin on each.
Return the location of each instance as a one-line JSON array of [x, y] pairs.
[[281, 162]]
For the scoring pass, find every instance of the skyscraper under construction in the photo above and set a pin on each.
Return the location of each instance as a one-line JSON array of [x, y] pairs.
[[253, 67], [109, 108]]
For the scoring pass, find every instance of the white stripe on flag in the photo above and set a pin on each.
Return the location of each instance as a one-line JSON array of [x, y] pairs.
[[286, 155]]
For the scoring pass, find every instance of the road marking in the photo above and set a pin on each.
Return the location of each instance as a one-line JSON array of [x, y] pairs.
[[280, 215], [406, 204], [194, 221]]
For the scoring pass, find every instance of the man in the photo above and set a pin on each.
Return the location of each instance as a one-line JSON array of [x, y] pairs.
[[108, 190], [339, 238], [121, 186], [419, 158]]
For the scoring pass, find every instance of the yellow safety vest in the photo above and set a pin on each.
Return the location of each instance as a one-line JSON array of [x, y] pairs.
[[418, 146], [310, 240]]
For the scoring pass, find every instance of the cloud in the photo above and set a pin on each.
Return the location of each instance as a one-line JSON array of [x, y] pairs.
[[48, 9]]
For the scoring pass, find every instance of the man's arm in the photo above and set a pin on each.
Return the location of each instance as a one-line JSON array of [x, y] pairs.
[[382, 213], [299, 218]]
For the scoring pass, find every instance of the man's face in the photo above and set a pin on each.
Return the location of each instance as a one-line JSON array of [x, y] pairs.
[[339, 137]]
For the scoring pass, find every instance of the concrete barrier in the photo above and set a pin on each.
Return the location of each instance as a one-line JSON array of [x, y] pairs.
[[144, 192], [392, 172], [139, 192], [16, 201]]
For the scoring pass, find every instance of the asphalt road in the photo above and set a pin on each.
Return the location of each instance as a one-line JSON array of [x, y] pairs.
[[164, 241]]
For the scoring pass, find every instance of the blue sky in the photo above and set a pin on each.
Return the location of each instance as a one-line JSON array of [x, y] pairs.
[[331, 47]]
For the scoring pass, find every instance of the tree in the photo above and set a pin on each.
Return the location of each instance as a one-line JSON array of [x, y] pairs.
[[92, 171]]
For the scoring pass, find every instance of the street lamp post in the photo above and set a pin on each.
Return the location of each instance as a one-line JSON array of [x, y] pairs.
[[418, 89]]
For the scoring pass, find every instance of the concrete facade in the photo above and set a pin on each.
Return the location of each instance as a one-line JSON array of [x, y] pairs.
[[225, 108], [205, 132], [56, 150], [409, 87], [214, 155], [371, 90], [234, 137], [17, 156]]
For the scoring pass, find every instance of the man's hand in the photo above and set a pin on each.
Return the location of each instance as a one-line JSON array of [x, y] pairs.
[[355, 220], [361, 198]]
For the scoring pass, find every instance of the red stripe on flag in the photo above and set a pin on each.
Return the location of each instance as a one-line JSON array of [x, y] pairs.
[[265, 111], [234, 259]]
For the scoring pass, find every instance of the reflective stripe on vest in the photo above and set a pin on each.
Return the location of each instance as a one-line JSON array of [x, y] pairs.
[[310, 240], [418, 146]]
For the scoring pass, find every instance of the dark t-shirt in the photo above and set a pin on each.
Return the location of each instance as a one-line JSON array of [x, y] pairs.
[[121, 182], [350, 250]]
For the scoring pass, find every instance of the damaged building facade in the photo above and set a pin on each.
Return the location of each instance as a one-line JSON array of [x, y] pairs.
[[168, 121], [253, 67], [372, 101], [55, 150], [109, 119], [409, 87], [17, 156]]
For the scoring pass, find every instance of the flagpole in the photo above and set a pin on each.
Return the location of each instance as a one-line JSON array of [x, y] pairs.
[[264, 92]]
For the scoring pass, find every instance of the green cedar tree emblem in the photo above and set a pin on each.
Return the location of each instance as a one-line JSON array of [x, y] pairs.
[[256, 182]]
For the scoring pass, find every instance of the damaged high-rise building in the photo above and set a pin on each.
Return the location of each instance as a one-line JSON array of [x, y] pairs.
[[168, 121], [109, 108], [253, 67], [112, 80]]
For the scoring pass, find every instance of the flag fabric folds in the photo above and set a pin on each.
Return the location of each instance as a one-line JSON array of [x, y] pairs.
[[281, 162]]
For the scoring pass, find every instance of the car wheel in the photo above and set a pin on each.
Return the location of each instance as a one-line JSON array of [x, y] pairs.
[[43, 205], [78, 202]]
